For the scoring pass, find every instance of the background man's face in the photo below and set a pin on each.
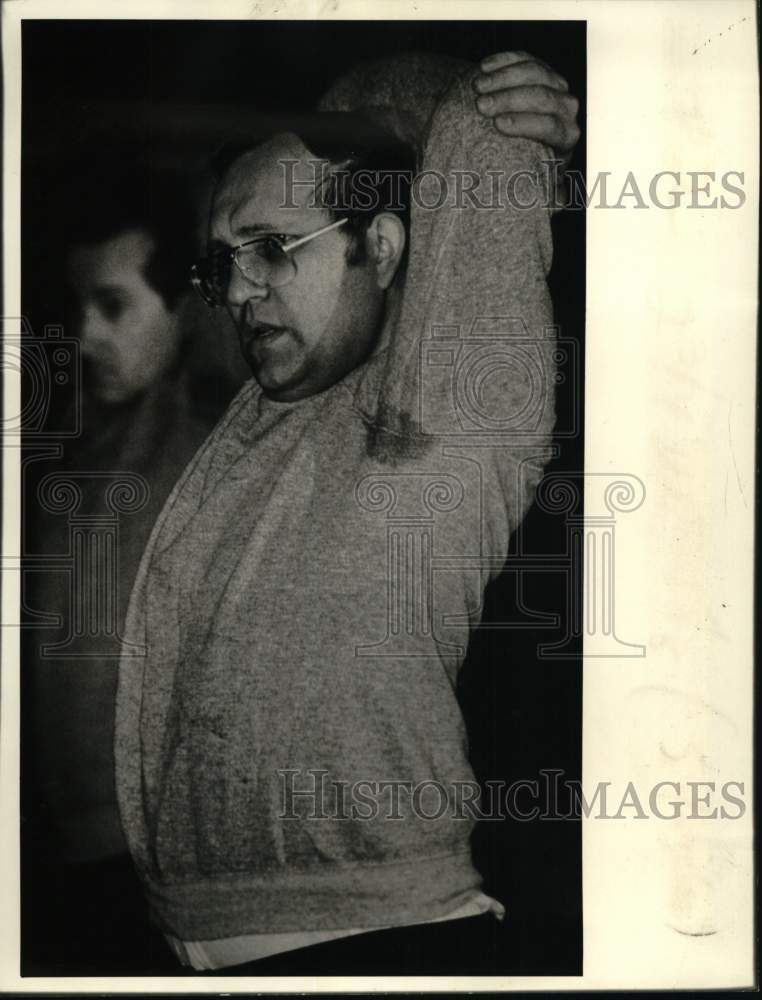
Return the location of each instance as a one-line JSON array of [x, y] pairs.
[[129, 336], [302, 337]]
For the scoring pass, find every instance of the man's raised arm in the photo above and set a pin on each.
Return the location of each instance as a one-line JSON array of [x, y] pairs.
[[471, 360], [521, 95]]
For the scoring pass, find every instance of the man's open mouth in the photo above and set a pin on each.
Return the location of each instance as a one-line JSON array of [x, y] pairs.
[[262, 331]]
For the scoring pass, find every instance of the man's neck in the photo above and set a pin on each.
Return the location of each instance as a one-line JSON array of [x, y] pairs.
[[393, 304]]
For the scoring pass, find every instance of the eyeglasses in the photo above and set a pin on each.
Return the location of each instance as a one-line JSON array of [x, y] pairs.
[[266, 260]]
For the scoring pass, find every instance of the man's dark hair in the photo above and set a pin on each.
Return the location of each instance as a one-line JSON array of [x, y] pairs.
[[370, 169], [115, 201]]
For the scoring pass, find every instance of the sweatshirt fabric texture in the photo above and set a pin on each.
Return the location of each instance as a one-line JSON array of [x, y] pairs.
[[306, 598]]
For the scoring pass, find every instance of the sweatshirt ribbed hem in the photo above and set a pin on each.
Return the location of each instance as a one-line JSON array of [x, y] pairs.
[[326, 897]]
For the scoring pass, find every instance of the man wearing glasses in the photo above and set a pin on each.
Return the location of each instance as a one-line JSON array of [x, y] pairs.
[[285, 745]]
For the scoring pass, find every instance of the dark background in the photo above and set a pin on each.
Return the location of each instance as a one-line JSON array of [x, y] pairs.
[[166, 93]]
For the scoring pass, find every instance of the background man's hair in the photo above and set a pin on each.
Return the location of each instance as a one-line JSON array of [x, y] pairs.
[[370, 169], [115, 200]]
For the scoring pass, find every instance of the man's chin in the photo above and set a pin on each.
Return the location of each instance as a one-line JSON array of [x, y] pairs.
[[281, 387], [285, 393]]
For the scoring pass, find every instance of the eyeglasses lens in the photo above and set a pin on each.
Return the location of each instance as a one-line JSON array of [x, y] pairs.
[[264, 263]]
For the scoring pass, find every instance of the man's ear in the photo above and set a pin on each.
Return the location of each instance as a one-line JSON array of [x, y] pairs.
[[385, 243]]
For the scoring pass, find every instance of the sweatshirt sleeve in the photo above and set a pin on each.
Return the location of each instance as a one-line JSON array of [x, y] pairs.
[[399, 91], [470, 363]]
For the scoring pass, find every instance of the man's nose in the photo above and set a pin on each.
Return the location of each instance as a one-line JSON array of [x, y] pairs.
[[242, 289], [92, 332]]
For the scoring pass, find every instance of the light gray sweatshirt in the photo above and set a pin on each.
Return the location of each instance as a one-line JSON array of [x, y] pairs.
[[306, 598]]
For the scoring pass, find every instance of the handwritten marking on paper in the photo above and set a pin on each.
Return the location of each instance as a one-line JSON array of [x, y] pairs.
[[709, 40]]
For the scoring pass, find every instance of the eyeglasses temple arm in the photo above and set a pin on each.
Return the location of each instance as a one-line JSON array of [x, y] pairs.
[[311, 236]]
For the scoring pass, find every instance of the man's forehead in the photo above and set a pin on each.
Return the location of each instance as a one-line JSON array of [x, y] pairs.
[[113, 261], [269, 187]]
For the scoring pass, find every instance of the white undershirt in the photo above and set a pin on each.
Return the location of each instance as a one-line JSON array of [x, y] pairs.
[[218, 954]]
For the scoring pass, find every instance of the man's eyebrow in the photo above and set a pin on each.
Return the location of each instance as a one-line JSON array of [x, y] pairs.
[[256, 228], [244, 233]]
